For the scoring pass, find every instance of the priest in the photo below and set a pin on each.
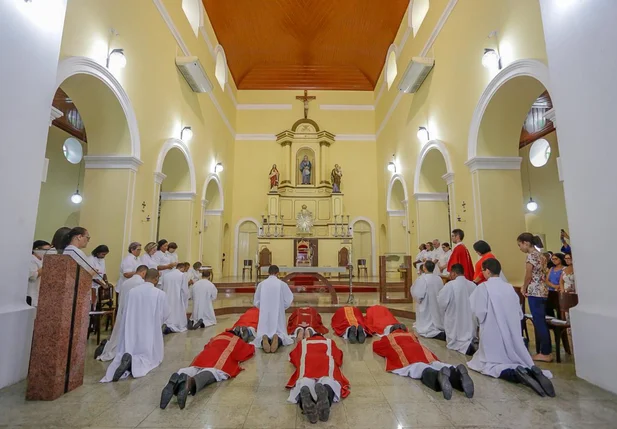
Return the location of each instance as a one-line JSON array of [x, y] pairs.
[[458, 321], [460, 254], [175, 285], [272, 297], [407, 357], [502, 352], [380, 321], [318, 380], [246, 326], [140, 340], [429, 317], [348, 322], [219, 360], [203, 293], [304, 322]]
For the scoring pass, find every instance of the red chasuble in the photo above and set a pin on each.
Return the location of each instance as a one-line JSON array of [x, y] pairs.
[[305, 317], [460, 255], [317, 357], [378, 318], [402, 349], [345, 317], [224, 352], [250, 318]]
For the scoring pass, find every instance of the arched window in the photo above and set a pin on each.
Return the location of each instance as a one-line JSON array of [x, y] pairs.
[[391, 69], [192, 10], [220, 69], [418, 11]]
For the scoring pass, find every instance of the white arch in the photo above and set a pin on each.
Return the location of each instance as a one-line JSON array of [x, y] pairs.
[[180, 145], [525, 67], [431, 145], [72, 66], [400, 178], [217, 179], [373, 240], [221, 70], [387, 68], [237, 238]]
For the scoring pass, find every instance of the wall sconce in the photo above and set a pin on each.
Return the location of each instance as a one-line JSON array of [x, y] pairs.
[[116, 59], [423, 135], [186, 134], [218, 167], [392, 165], [491, 59]]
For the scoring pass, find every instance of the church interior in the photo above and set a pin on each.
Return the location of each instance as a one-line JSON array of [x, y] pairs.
[[333, 140]]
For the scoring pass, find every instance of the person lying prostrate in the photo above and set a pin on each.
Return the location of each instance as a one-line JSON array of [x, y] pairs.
[[175, 286], [502, 352], [203, 293], [304, 322], [272, 297], [140, 340], [106, 350], [407, 357], [380, 321], [129, 264], [429, 317], [318, 380], [348, 322], [246, 326], [458, 321], [219, 360]]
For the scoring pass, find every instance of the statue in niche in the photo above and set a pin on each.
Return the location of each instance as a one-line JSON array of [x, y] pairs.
[[305, 169], [304, 220], [335, 177], [274, 178]]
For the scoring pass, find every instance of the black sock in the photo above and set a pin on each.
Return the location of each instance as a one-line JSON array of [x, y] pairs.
[[509, 375], [455, 379], [441, 336], [330, 393], [430, 380]]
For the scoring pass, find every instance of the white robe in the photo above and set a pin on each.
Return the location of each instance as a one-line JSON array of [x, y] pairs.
[[173, 257], [497, 307], [457, 321], [140, 333], [437, 255], [99, 266], [194, 275], [175, 286], [272, 297], [109, 352], [443, 260], [203, 293], [34, 280], [148, 261], [429, 317], [128, 265], [161, 259]]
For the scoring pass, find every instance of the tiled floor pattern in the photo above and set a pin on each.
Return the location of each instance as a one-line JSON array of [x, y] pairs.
[[257, 398]]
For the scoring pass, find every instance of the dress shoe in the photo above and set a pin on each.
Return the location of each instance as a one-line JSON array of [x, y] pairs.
[[524, 377], [323, 403], [199, 324], [544, 382], [352, 335], [443, 378], [125, 365], [189, 325], [465, 380], [265, 344], [169, 390], [183, 390], [361, 335], [274, 346], [308, 405], [99, 349]]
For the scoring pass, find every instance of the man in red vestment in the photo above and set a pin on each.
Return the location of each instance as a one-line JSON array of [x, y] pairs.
[[460, 254], [380, 321], [305, 321], [219, 360], [348, 322], [246, 326], [318, 380], [406, 356]]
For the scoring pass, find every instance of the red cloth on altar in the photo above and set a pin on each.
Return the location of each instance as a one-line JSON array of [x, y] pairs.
[[460, 255], [250, 318], [345, 317], [378, 318], [224, 352], [402, 349], [312, 360], [305, 317]]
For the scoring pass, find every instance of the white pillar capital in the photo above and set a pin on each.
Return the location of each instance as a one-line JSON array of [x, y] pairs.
[[449, 178], [55, 114], [159, 177], [494, 163], [550, 115]]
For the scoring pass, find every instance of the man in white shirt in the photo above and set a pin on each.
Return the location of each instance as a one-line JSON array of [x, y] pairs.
[[175, 285], [203, 293], [429, 317], [195, 273], [272, 297], [443, 261], [458, 321], [438, 253]]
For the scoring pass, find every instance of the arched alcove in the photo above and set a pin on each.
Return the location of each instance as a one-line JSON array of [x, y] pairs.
[[397, 204], [246, 245], [364, 243], [391, 69], [220, 67], [303, 154]]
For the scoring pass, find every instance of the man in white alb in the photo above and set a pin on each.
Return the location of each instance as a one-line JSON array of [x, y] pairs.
[[175, 285], [203, 293], [194, 273], [458, 321], [272, 297], [438, 253], [429, 317]]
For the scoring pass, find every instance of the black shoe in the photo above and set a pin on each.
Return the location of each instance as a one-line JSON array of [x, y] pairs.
[[169, 390], [166, 330], [189, 325], [524, 377], [361, 335], [200, 324], [544, 382], [99, 349], [352, 335], [245, 334], [443, 378], [125, 365], [308, 405], [465, 380], [323, 403], [183, 390]]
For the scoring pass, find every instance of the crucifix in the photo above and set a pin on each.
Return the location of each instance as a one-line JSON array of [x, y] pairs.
[[305, 99]]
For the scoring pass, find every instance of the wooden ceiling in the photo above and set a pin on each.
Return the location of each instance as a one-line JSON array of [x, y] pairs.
[[306, 44]]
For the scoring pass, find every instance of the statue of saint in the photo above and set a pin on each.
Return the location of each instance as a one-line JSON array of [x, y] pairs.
[[305, 169], [335, 176], [274, 178]]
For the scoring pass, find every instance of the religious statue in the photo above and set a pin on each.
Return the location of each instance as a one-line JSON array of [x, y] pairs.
[[335, 176], [304, 220], [274, 178], [305, 169], [306, 99]]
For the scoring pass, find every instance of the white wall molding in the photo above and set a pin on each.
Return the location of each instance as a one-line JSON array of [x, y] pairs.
[[396, 213], [429, 146], [217, 179], [213, 212], [559, 169], [373, 241], [159, 177], [449, 178], [395, 178], [431, 196], [204, 35], [55, 114], [355, 137], [494, 163], [180, 145], [264, 106], [228, 89], [112, 162], [237, 238], [550, 115], [256, 137], [178, 196], [346, 107]]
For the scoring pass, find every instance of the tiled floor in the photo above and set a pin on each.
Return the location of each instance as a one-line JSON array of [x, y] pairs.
[[257, 398]]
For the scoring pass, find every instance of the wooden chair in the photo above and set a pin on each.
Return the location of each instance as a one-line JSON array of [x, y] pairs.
[[248, 266], [362, 268], [565, 301], [343, 260], [265, 260], [104, 308]]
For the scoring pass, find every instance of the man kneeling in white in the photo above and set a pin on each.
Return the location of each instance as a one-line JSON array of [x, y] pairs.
[[458, 321], [502, 352], [272, 297], [175, 285], [140, 340], [429, 317], [203, 293]]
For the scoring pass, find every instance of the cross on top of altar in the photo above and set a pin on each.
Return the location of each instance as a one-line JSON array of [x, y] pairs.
[[306, 99]]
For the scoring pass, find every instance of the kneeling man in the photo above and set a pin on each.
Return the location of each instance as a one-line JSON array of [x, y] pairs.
[[429, 318], [318, 380], [348, 322], [304, 322], [380, 321], [502, 352], [175, 285], [203, 293]]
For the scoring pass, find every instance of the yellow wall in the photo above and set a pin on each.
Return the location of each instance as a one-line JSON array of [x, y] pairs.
[[433, 221], [175, 217]]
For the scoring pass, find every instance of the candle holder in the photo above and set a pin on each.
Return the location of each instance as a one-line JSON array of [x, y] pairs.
[[282, 227]]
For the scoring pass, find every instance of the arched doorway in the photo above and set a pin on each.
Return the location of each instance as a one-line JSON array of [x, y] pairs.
[[246, 245], [398, 217], [212, 243], [363, 245]]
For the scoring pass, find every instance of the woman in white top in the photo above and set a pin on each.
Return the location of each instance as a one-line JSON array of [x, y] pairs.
[[97, 261], [164, 263], [129, 264], [172, 253], [39, 248], [146, 258], [74, 241], [443, 261]]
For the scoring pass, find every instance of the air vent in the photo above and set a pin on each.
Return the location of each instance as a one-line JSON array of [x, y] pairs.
[[417, 70], [194, 74]]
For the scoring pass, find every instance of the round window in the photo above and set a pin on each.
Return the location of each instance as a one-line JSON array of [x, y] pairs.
[[539, 153], [72, 150]]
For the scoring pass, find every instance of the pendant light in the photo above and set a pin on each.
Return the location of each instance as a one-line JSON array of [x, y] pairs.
[[532, 206], [76, 198]]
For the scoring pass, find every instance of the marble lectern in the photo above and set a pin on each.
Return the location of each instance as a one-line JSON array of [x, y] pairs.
[[60, 329]]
